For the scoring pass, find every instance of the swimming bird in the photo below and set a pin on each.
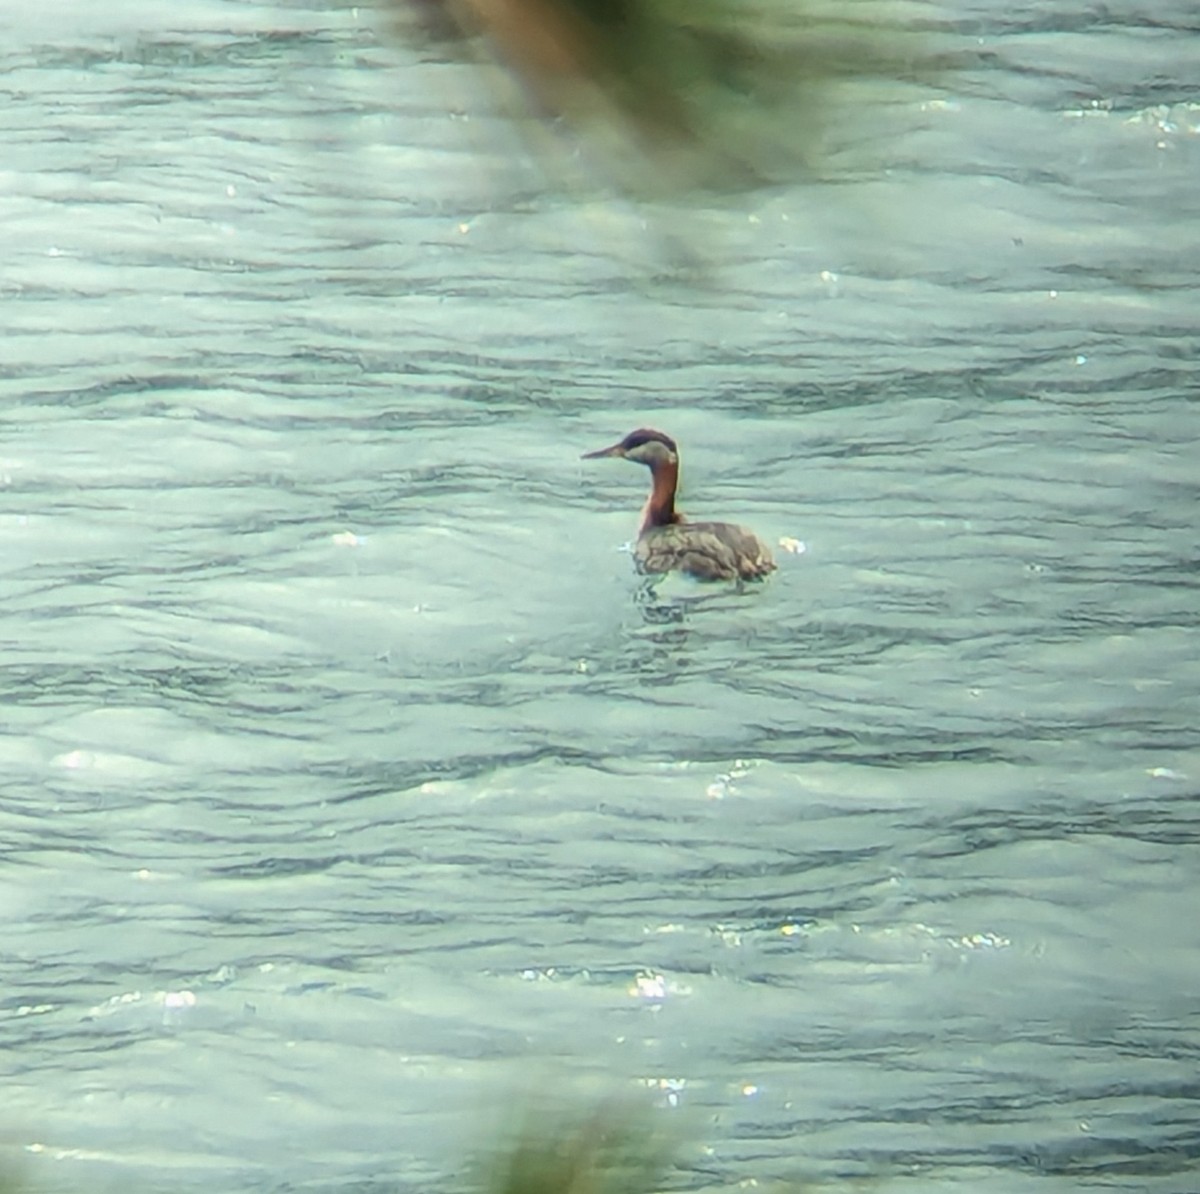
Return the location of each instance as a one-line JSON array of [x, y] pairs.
[[666, 541]]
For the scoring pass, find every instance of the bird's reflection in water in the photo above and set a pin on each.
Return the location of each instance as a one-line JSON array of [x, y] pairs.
[[654, 610]]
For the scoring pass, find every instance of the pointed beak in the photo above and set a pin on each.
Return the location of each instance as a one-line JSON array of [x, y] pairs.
[[615, 450]]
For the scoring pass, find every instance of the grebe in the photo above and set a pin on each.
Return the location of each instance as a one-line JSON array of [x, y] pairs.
[[666, 541]]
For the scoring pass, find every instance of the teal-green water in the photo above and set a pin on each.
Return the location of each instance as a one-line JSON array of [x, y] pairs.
[[347, 786]]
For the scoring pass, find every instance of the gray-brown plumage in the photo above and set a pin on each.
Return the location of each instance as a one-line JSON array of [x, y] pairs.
[[666, 541]]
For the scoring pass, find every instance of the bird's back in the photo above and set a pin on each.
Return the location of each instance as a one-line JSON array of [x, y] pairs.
[[705, 550]]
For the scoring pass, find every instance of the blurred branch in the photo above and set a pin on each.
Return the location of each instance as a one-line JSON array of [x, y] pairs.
[[604, 1149], [669, 96]]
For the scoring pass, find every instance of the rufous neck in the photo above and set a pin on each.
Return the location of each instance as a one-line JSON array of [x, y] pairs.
[[659, 510]]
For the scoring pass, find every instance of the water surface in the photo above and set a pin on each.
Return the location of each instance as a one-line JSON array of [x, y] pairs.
[[348, 785]]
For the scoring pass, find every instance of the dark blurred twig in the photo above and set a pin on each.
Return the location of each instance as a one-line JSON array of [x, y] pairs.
[[670, 96]]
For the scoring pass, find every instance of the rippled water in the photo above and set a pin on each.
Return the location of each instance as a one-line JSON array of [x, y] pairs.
[[348, 786]]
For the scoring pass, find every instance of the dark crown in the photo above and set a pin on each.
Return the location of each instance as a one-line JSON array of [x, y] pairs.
[[646, 435]]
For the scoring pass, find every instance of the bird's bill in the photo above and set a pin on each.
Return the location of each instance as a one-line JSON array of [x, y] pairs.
[[617, 449]]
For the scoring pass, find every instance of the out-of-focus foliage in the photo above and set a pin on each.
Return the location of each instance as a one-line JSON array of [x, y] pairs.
[[608, 1148], [670, 96]]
